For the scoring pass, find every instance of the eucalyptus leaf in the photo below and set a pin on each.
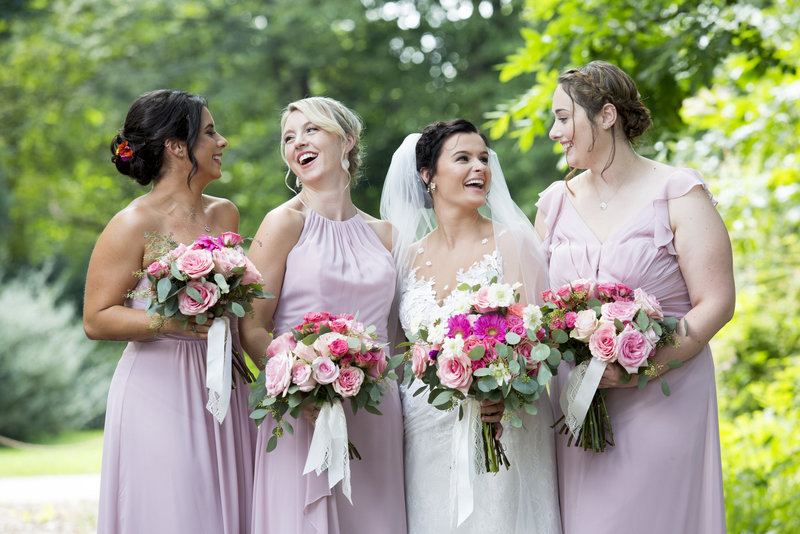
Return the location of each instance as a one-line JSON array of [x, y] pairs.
[[477, 352], [559, 336], [272, 443], [163, 288]]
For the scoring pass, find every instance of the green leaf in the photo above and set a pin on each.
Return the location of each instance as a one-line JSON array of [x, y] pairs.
[[237, 309], [477, 352], [642, 320], [163, 288], [554, 358], [288, 426], [513, 366], [530, 408], [483, 371], [464, 287], [443, 398], [221, 283], [200, 318], [665, 387], [541, 352], [642, 381], [353, 342], [516, 422], [544, 375], [487, 384], [512, 338], [674, 364], [526, 386], [194, 294], [559, 336], [259, 413], [175, 272], [372, 409], [568, 356], [272, 443]]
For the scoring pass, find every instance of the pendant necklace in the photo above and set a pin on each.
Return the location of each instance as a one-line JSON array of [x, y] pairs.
[[193, 216], [604, 203]]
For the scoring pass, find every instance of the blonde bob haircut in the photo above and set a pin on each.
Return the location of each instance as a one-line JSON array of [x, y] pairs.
[[333, 117]]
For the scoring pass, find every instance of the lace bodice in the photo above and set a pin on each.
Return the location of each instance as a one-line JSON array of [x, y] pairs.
[[418, 304]]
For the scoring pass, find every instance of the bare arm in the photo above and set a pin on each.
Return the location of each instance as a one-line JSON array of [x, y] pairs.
[[277, 235], [705, 258]]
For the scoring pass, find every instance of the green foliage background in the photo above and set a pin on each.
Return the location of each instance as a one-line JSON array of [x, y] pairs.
[[720, 77]]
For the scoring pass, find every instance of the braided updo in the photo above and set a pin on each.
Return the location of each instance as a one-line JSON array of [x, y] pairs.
[[599, 83], [152, 119]]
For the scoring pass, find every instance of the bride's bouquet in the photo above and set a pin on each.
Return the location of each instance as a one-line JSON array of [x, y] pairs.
[[203, 281], [596, 325], [324, 360], [489, 348]]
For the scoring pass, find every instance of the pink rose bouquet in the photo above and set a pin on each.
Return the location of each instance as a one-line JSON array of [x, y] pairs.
[[203, 281], [612, 324], [325, 359], [490, 350]]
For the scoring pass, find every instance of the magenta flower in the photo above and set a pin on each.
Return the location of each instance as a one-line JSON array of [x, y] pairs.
[[492, 326], [207, 242], [458, 324]]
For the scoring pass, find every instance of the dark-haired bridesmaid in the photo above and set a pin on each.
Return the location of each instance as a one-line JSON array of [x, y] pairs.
[[168, 465]]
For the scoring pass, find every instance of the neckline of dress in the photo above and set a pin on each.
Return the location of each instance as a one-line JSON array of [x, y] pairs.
[[321, 216], [627, 222], [430, 281]]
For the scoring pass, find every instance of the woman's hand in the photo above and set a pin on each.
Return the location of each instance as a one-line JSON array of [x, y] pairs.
[[492, 412], [613, 376]]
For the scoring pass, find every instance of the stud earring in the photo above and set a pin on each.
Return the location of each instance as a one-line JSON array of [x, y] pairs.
[[432, 187]]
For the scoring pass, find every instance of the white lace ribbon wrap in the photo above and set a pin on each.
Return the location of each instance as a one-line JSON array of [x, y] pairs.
[[329, 447], [218, 368], [467, 460], [582, 382]]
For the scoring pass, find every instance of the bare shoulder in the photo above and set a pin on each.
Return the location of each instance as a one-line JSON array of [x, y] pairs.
[[281, 226], [384, 229]]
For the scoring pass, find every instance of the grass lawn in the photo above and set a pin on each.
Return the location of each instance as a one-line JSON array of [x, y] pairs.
[[71, 453]]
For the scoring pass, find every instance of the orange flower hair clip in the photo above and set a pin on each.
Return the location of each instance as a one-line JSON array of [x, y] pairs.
[[124, 151]]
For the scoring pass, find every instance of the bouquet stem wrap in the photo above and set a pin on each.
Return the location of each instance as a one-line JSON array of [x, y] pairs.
[[218, 368], [329, 447], [578, 392], [466, 454]]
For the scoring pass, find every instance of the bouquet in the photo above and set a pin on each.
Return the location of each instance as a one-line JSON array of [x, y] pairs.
[[489, 349], [322, 361], [596, 325], [202, 282]]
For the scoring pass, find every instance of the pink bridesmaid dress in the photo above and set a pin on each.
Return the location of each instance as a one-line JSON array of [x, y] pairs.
[[663, 476], [168, 466], [335, 267]]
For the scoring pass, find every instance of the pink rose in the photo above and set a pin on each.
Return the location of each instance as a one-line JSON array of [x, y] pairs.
[[158, 269], [481, 300], [648, 303], [316, 317], [278, 374], [514, 323], [531, 365], [585, 325], [195, 263], [651, 336], [551, 297], [230, 239], [569, 319], [339, 347], [339, 325], [228, 259], [419, 360], [623, 292], [607, 292], [586, 287], [633, 349], [541, 334], [325, 371], [251, 274], [378, 364], [517, 309], [305, 352], [349, 381], [623, 310], [301, 375], [282, 343], [564, 293], [174, 254], [455, 371], [603, 342], [208, 293]]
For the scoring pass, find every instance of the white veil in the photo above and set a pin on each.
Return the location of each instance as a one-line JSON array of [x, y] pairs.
[[408, 206]]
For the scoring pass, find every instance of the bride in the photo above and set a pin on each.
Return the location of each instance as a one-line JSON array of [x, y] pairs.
[[446, 196]]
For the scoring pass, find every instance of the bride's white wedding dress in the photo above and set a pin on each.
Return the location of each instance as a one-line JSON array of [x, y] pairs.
[[523, 499]]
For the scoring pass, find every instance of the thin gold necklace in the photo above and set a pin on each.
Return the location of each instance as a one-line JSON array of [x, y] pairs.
[[604, 203]]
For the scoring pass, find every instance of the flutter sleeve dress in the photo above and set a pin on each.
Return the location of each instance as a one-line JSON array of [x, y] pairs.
[[663, 475], [335, 267]]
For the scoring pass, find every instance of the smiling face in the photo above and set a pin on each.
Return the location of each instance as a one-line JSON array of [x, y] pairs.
[[208, 147], [462, 171], [311, 152], [573, 129]]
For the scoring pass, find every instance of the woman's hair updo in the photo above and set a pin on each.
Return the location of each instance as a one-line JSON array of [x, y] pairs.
[[333, 117], [599, 83], [154, 118], [430, 143]]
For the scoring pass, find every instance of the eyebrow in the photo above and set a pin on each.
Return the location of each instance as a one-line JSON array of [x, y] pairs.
[[210, 125], [560, 110]]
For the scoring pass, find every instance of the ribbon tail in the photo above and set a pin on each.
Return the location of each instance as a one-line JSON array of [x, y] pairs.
[[329, 447], [219, 357], [464, 453], [578, 392]]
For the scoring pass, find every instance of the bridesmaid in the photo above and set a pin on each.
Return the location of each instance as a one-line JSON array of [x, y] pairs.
[[319, 253], [168, 466], [641, 223]]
